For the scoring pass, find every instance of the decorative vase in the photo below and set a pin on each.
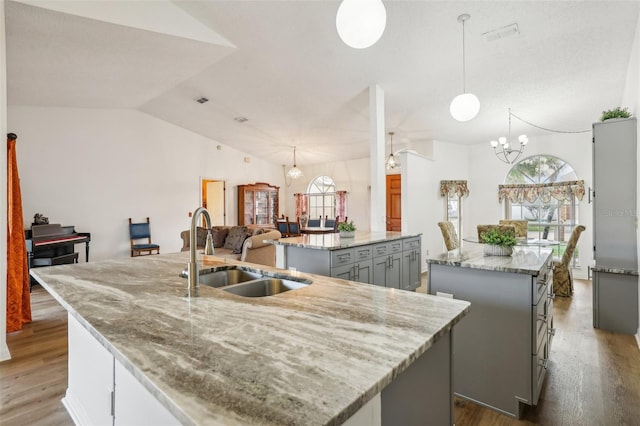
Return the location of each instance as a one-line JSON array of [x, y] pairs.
[[347, 234], [493, 250]]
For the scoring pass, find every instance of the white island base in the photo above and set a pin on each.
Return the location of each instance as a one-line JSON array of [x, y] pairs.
[[101, 391]]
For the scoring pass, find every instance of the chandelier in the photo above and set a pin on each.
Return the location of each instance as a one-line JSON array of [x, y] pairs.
[[294, 172], [466, 105], [507, 153], [391, 162]]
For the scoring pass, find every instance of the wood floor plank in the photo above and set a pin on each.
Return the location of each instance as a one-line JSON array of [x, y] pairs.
[[593, 377]]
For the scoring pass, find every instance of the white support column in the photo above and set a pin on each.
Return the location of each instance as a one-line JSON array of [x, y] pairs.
[[376, 147]]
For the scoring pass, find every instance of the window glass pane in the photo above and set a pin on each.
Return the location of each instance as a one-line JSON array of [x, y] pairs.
[[322, 200]]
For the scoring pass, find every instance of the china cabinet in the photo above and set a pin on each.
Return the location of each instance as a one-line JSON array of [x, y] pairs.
[[257, 204]]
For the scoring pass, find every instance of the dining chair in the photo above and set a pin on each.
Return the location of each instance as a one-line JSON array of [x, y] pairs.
[[521, 226], [314, 223], [562, 276], [450, 235], [282, 225], [141, 231], [330, 223], [293, 228]]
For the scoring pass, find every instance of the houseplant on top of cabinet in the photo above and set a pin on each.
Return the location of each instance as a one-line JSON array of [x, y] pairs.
[[346, 230], [498, 242], [615, 113]]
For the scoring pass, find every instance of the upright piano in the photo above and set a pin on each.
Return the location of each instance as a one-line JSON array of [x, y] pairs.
[[53, 244]]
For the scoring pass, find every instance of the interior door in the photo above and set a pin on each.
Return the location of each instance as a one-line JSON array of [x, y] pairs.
[[394, 214], [213, 199]]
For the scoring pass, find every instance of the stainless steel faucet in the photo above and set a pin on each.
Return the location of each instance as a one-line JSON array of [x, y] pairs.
[[192, 267]]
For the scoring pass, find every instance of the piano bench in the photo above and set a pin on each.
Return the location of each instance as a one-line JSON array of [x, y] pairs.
[[58, 260]]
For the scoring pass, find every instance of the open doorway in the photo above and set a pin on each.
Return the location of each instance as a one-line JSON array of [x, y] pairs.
[[394, 196], [213, 199]]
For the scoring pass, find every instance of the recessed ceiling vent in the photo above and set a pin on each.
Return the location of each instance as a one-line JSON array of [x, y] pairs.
[[202, 100], [241, 119], [500, 33]]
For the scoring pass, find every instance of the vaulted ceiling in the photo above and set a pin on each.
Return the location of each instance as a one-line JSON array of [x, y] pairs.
[[282, 66]]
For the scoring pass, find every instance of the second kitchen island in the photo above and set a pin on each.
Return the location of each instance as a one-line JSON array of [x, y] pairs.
[[387, 259]]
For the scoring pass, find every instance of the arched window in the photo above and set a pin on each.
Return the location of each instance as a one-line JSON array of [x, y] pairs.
[[549, 218], [322, 198]]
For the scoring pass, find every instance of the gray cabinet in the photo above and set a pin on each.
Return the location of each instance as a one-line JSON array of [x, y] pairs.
[[501, 352], [411, 269], [615, 180], [395, 263], [387, 264]]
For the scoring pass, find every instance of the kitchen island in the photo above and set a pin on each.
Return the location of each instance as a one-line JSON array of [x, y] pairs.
[[387, 259], [328, 353], [501, 351]]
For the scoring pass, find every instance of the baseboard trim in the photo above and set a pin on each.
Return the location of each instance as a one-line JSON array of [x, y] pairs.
[[638, 338], [5, 355]]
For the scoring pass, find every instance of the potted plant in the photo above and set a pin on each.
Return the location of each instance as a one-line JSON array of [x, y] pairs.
[[615, 113], [346, 230], [498, 242]]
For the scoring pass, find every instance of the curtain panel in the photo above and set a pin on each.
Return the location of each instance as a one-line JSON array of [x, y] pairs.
[[18, 298], [454, 187], [544, 191], [302, 201], [341, 205]]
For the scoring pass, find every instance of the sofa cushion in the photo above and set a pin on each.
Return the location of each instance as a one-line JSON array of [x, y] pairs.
[[219, 234], [236, 237]]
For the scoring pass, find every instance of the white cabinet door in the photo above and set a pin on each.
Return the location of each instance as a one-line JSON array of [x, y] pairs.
[[89, 393], [135, 405]]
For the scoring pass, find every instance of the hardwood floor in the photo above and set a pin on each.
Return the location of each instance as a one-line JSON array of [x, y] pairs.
[[593, 376]]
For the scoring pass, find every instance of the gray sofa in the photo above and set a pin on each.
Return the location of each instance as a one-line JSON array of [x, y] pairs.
[[237, 242]]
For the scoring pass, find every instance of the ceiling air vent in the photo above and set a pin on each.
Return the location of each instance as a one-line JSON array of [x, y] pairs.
[[241, 119], [202, 100], [500, 33]]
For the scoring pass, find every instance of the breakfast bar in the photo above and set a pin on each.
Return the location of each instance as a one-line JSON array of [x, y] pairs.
[[330, 352]]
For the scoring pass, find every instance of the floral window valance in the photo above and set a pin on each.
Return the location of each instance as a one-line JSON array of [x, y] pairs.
[[545, 191], [453, 187]]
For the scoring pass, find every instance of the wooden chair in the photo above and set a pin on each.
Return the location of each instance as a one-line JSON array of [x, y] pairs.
[[141, 231], [331, 223], [282, 225], [562, 277], [450, 235], [314, 223], [293, 228]]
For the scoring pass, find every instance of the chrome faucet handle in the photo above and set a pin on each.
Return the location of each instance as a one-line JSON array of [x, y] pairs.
[[208, 246]]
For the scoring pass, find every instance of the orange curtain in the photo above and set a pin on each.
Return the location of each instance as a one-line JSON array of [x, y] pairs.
[[18, 298]]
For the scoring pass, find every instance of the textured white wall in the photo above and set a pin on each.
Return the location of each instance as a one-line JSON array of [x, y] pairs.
[[4, 351], [95, 168]]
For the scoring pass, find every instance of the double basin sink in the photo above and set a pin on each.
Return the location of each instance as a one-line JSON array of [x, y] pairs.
[[247, 283]]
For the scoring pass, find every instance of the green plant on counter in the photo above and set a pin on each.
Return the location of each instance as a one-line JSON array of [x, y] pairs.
[[615, 113], [499, 238], [346, 227]]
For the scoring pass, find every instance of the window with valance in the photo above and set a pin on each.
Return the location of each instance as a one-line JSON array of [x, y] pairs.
[[322, 199], [453, 191]]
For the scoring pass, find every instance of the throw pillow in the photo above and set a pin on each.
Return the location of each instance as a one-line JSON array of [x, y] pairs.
[[219, 235], [235, 239]]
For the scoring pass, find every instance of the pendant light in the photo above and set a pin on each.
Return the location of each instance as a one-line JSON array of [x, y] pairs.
[[465, 106], [294, 172], [391, 162], [360, 23]]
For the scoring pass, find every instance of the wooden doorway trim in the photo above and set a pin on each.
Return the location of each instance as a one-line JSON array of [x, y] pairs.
[[394, 196], [213, 196]]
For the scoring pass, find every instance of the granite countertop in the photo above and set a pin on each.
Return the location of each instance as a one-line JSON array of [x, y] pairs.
[[309, 356], [334, 242], [619, 271], [524, 260]]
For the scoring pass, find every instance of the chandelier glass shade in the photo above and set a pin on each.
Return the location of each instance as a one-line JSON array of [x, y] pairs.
[[294, 172], [503, 148], [360, 23], [465, 106], [391, 162]]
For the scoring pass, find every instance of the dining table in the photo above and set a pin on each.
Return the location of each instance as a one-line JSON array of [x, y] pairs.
[[317, 230]]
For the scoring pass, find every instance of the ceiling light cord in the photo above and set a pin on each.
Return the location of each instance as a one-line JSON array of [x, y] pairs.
[[544, 128], [464, 62]]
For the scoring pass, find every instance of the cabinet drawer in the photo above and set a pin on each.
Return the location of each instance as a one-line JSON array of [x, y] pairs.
[[539, 366], [341, 257], [362, 253], [395, 246], [381, 249], [540, 322], [539, 290], [410, 243]]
